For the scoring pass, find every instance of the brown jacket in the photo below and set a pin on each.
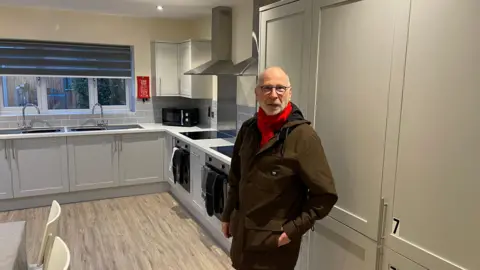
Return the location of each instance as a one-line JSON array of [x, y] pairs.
[[283, 187]]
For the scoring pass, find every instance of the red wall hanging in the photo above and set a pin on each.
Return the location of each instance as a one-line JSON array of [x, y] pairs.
[[143, 88]]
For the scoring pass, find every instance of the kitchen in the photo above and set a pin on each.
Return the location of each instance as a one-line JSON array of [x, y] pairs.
[[373, 76]]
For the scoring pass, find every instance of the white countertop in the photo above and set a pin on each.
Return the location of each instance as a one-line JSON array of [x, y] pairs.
[[203, 145]]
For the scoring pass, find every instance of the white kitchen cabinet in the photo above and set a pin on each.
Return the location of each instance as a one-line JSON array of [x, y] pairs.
[[281, 30], [172, 60], [352, 55], [39, 166], [6, 189], [141, 158], [197, 161], [334, 246], [167, 173], [394, 261], [302, 262], [93, 162], [433, 175], [191, 55], [166, 72]]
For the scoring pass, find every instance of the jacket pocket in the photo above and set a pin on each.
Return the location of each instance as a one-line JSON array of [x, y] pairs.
[[262, 237]]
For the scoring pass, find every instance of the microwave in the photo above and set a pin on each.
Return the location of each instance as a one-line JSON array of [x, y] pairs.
[[180, 117]]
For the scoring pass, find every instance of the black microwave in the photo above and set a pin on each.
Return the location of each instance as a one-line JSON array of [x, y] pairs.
[[180, 117]]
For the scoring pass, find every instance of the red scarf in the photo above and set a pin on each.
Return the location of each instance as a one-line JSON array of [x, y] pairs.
[[268, 124]]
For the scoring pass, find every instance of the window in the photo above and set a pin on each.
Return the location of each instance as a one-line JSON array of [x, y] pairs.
[[64, 77]]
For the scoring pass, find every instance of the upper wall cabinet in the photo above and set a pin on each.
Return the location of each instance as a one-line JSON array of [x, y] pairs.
[[433, 177], [285, 41], [172, 60], [351, 62]]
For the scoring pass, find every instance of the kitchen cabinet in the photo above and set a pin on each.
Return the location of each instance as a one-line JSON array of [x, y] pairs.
[[302, 262], [394, 261], [197, 161], [334, 246], [352, 56], [432, 175], [191, 55], [6, 189], [141, 158], [39, 166], [120, 160], [93, 162], [167, 173], [281, 29], [166, 81], [172, 60]]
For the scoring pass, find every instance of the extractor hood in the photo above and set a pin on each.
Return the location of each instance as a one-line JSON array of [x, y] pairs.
[[249, 66], [221, 63]]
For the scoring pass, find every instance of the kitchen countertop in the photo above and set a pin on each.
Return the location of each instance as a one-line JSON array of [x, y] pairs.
[[204, 145]]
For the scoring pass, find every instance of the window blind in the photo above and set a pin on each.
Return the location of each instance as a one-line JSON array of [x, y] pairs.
[[20, 57]]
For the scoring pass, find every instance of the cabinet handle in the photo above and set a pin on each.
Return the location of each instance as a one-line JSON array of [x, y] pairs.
[[6, 155], [115, 145], [13, 150], [121, 144]]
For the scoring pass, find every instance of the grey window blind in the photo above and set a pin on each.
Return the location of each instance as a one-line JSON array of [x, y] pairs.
[[20, 57]]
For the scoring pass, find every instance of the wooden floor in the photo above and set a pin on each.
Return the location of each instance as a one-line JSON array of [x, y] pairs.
[[142, 232]]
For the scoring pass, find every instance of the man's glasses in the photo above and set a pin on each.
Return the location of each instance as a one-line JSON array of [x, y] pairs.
[[279, 89]]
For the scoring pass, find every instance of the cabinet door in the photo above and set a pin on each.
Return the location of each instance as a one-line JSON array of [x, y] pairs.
[[434, 185], [201, 53], [302, 262], [395, 261], [197, 160], [39, 166], [167, 173], [93, 162], [281, 29], [166, 69], [353, 43], [6, 191], [141, 158], [184, 66], [334, 246]]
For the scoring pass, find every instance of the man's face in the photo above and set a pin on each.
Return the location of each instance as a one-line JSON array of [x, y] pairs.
[[274, 93]]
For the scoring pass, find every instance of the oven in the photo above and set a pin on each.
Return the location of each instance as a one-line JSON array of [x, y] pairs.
[[180, 117], [181, 164], [215, 185]]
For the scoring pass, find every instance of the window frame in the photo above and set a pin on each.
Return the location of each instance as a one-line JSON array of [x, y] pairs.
[[42, 97]]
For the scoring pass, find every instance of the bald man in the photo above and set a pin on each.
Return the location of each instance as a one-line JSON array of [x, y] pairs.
[[280, 181]]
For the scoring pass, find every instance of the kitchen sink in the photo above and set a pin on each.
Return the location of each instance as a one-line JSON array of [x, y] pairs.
[[119, 127], [80, 129], [99, 128], [31, 131]]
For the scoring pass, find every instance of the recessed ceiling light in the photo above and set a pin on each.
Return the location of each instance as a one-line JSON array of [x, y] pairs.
[[159, 8]]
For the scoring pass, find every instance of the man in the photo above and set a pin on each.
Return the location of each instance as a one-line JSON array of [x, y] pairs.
[[280, 181]]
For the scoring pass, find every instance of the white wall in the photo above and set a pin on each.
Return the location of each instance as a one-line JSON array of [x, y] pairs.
[[56, 25]]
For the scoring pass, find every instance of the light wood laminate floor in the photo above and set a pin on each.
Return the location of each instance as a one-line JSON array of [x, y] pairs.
[[141, 232]]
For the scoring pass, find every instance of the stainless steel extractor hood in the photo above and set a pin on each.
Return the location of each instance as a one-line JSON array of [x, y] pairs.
[[221, 63], [249, 66]]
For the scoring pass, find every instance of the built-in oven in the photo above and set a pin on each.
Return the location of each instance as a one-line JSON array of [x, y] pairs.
[[180, 117], [215, 185], [181, 164]]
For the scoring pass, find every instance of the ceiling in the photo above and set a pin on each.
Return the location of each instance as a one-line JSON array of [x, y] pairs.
[[137, 8]]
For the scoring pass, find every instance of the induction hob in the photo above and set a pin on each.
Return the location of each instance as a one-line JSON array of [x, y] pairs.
[[205, 135], [226, 150]]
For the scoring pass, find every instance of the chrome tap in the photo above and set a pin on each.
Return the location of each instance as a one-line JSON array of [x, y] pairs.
[[102, 122], [24, 123]]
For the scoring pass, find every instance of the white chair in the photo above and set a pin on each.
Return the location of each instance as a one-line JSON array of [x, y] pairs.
[[49, 232], [59, 256]]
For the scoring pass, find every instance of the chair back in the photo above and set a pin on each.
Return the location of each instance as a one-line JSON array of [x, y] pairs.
[[50, 229], [59, 257]]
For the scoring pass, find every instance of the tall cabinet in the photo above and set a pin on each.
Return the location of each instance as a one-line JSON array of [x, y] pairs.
[[285, 42]]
